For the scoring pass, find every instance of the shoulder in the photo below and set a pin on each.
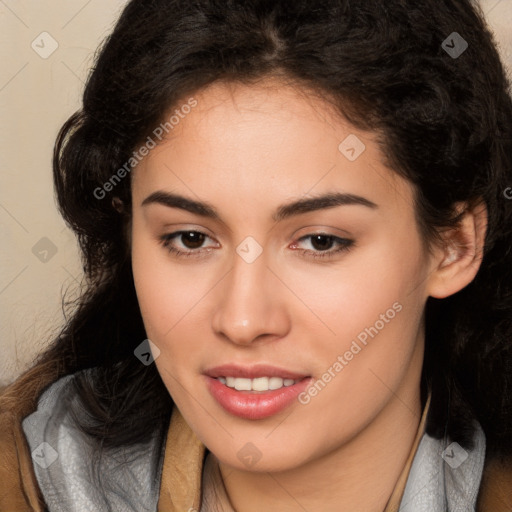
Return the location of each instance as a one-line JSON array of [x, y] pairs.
[[71, 467], [18, 484]]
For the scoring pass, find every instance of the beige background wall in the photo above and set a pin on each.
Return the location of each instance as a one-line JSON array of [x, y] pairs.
[[46, 50]]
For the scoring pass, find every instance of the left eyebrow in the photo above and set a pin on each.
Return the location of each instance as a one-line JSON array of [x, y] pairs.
[[284, 211], [320, 203]]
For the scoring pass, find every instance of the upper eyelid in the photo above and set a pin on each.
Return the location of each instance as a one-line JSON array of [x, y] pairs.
[[176, 234], [336, 239], [311, 229]]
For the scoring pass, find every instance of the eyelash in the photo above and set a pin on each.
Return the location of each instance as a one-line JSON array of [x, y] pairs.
[[345, 244]]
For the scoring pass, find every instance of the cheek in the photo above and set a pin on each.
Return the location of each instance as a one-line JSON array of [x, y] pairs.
[[164, 291], [369, 312], [346, 297], [172, 302]]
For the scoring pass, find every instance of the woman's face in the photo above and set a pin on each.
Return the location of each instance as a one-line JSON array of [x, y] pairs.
[[331, 292]]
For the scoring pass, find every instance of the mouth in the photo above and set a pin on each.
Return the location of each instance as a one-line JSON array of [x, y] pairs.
[[255, 392]]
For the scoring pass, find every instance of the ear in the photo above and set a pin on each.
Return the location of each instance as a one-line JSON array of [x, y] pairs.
[[457, 261], [118, 204]]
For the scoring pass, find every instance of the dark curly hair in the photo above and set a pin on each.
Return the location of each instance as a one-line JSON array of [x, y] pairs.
[[444, 122]]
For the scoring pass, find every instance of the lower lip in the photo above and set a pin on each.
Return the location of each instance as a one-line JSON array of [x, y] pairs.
[[255, 406]]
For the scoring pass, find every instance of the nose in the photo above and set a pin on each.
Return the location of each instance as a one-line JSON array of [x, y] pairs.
[[251, 305]]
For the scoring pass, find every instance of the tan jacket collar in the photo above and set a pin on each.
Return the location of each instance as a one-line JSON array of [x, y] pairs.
[[180, 487]]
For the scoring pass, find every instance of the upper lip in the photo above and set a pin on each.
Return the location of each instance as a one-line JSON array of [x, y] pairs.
[[252, 372]]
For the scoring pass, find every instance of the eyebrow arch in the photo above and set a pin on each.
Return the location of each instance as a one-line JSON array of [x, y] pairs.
[[284, 211]]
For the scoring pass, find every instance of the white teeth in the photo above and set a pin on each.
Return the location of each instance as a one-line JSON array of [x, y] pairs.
[[243, 384], [275, 383], [258, 384]]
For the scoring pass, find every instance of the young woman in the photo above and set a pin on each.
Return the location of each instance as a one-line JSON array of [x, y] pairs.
[[296, 228]]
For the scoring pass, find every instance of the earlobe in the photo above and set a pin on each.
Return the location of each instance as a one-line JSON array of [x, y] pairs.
[[117, 204], [459, 261]]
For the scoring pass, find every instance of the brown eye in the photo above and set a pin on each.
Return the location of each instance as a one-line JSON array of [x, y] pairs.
[[322, 242], [324, 245], [192, 239], [186, 243]]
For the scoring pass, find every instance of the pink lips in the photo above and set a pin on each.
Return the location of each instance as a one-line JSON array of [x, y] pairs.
[[252, 372], [249, 404]]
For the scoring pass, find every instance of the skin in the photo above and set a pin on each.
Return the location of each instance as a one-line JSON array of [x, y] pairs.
[[247, 150]]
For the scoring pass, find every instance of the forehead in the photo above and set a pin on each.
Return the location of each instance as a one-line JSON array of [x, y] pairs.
[[270, 140]]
